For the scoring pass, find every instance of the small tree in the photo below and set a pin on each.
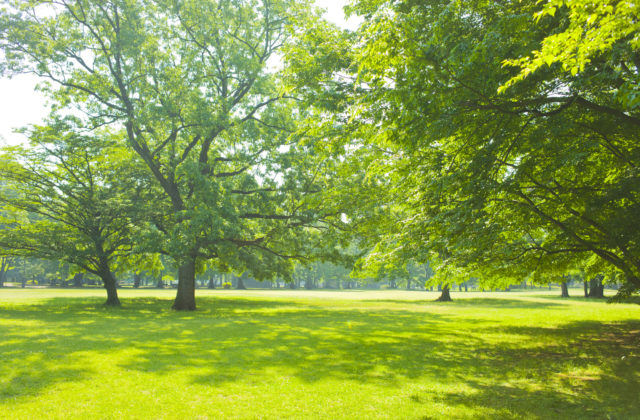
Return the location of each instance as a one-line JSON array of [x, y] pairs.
[[69, 197]]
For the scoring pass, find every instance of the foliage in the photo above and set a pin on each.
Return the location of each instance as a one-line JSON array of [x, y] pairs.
[[538, 180], [190, 85], [67, 197], [595, 30]]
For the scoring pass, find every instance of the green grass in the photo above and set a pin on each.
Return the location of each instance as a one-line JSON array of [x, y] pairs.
[[294, 354]]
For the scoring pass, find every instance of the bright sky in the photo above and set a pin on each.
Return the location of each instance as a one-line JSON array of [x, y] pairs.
[[21, 105]]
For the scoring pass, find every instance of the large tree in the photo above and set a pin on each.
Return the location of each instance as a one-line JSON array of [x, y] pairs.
[[68, 197], [192, 86], [538, 178]]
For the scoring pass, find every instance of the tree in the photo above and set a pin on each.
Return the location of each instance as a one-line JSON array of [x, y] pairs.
[[564, 287], [538, 178], [67, 197], [189, 83], [5, 266], [595, 29]]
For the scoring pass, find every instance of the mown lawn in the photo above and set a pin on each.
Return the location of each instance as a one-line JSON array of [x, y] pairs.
[[294, 354]]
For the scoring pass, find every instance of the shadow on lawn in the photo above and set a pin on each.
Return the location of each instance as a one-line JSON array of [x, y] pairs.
[[558, 392], [482, 302], [512, 370]]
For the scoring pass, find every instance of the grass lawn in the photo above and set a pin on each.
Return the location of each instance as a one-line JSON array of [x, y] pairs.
[[296, 354]]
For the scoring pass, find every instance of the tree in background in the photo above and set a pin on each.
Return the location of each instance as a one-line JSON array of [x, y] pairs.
[[5, 265], [69, 197]]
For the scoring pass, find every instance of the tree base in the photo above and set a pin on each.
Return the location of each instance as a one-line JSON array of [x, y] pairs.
[[445, 296], [186, 307]]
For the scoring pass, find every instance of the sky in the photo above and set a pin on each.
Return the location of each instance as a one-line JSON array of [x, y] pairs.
[[21, 105]]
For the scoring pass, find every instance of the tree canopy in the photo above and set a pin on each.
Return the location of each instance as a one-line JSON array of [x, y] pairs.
[[70, 197], [191, 87], [499, 183]]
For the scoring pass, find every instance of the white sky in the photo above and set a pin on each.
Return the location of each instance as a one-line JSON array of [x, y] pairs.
[[21, 105]]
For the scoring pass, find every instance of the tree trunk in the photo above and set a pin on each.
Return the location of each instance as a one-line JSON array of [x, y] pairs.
[[586, 289], [136, 280], [186, 294], [212, 284], [596, 288], [240, 285], [466, 288], [78, 280], [308, 282], [565, 289], [445, 296], [160, 283], [460, 288], [109, 283]]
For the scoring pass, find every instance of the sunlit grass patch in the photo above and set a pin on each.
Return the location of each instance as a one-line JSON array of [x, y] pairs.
[[277, 354]]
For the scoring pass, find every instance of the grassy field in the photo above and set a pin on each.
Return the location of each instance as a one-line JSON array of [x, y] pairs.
[[297, 354]]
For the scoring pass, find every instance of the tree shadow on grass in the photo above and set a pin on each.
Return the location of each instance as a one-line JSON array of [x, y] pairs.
[[556, 378], [480, 302], [511, 370]]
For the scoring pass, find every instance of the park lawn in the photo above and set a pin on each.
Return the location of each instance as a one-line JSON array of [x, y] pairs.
[[296, 354]]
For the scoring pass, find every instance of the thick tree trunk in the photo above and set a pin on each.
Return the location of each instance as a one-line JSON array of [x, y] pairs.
[[109, 283], [3, 275], [78, 280], [445, 296], [186, 294], [136, 280], [596, 288], [240, 285], [466, 287], [586, 289], [565, 289], [212, 284]]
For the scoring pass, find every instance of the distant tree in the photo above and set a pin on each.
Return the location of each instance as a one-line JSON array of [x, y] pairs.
[[69, 197], [564, 288]]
